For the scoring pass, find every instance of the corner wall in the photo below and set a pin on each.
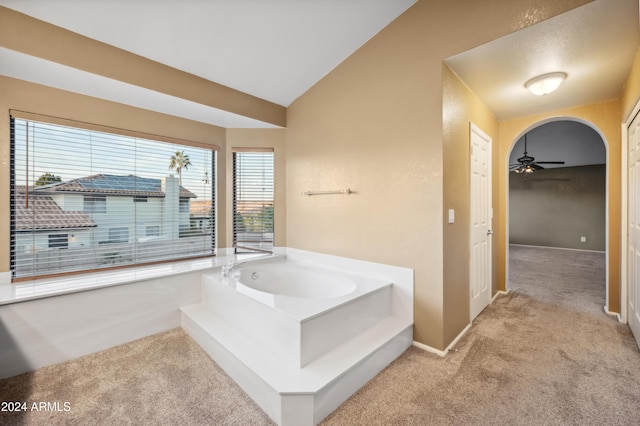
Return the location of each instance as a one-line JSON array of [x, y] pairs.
[[375, 125], [460, 108], [631, 91]]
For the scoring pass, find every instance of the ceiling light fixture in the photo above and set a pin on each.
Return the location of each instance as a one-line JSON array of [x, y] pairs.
[[546, 83]]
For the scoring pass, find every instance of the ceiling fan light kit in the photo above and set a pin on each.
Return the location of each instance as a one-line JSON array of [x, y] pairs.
[[527, 164], [546, 83]]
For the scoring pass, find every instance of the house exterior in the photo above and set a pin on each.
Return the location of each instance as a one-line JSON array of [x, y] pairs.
[[103, 217]]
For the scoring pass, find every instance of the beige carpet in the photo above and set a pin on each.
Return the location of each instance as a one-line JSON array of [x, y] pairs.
[[546, 354]]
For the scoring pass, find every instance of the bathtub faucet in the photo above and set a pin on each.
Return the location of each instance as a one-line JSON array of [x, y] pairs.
[[226, 269], [230, 265]]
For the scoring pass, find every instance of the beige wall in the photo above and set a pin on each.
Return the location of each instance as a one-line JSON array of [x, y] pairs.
[[556, 206], [257, 138], [605, 118], [631, 91], [461, 107], [37, 38], [375, 124]]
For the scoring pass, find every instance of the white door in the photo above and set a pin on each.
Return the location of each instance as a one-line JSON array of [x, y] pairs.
[[480, 267], [633, 252]]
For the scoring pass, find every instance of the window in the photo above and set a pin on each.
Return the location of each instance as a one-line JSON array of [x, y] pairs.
[[95, 204], [184, 205], [253, 200], [152, 231], [58, 241], [118, 235], [106, 188]]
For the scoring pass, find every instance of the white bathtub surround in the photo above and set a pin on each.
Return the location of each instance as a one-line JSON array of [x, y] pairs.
[[50, 330], [48, 321], [301, 358]]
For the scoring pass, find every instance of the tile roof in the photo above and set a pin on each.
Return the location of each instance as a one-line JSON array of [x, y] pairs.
[[114, 184], [200, 208], [43, 213]]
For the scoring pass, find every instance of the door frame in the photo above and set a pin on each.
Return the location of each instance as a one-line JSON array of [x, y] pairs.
[[586, 122], [624, 219], [473, 128]]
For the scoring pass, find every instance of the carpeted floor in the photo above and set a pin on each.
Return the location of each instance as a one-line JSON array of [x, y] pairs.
[[545, 354]]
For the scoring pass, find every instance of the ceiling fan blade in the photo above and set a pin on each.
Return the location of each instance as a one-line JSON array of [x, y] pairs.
[[537, 167], [550, 162]]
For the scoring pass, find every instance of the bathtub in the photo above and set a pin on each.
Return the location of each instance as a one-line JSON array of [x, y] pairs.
[[300, 332], [297, 310]]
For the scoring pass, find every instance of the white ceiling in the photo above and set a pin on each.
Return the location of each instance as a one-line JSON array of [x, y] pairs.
[[278, 49], [594, 44], [273, 49]]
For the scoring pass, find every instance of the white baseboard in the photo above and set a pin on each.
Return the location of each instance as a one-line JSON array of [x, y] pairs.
[[499, 293], [458, 337], [447, 349], [613, 314]]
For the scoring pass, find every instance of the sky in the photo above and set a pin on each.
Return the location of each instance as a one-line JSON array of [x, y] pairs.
[[72, 153]]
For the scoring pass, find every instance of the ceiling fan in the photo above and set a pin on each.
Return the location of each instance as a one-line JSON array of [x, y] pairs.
[[527, 164]]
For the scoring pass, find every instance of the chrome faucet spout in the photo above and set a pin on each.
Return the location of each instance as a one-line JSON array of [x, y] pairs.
[[226, 269], [231, 265]]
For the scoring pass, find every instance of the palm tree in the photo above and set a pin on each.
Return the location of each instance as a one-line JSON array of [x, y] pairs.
[[179, 161]]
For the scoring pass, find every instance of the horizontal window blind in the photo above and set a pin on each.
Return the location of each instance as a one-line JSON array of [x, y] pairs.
[[84, 200], [253, 188]]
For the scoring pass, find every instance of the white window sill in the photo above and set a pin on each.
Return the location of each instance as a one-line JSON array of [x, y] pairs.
[[38, 289]]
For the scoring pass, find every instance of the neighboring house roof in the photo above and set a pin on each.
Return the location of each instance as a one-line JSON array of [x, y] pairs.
[[43, 213], [200, 208], [252, 206], [113, 184]]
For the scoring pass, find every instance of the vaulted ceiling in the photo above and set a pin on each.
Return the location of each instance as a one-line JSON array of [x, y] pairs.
[[278, 49]]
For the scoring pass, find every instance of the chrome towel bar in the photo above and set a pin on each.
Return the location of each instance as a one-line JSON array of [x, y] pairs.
[[338, 191]]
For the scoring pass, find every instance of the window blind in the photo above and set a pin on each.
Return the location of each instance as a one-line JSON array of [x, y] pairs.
[[84, 200], [253, 189]]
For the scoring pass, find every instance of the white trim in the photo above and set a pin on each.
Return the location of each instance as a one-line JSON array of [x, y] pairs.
[[499, 293], [447, 349], [607, 190], [624, 206], [613, 314], [5, 277]]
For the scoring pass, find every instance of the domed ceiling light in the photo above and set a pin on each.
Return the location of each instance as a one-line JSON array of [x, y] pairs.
[[546, 83]]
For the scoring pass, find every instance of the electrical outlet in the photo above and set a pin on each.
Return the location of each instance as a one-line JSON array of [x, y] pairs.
[[583, 239]]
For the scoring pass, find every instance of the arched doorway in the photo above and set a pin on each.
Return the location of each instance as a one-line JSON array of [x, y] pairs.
[[557, 238]]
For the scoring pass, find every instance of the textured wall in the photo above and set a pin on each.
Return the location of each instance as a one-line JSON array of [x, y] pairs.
[[375, 124], [555, 207]]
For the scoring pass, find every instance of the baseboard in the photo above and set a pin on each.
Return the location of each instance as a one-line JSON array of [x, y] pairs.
[[558, 248], [499, 293], [613, 314], [439, 352]]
